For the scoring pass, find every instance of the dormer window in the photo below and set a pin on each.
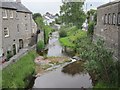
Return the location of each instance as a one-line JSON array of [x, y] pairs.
[[4, 13], [11, 14]]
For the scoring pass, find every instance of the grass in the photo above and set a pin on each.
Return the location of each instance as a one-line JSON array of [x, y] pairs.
[[0, 79], [66, 42], [73, 34], [14, 74]]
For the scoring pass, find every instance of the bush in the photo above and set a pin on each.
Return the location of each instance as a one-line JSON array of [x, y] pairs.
[[40, 46], [91, 28], [62, 33], [99, 61]]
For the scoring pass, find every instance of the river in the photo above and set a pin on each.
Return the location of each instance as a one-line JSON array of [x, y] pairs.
[[67, 76], [54, 47]]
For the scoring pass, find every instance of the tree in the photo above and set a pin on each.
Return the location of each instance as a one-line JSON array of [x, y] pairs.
[[72, 12], [90, 14], [35, 15]]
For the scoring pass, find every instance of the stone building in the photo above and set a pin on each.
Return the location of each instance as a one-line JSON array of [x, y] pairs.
[[108, 25], [16, 27]]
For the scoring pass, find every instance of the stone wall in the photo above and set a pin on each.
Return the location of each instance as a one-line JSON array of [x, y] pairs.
[[107, 32]]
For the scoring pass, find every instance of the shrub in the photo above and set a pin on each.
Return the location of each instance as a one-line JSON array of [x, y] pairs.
[[40, 46], [62, 33], [99, 61], [91, 28]]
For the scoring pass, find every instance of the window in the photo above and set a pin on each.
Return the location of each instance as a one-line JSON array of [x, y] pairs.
[[25, 15], [119, 18], [18, 27], [26, 27], [4, 13], [105, 19], [11, 14], [114, 19], [109, 18], [6, 32]]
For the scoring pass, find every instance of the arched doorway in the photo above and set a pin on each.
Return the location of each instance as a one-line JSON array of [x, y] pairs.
[[21, 44]]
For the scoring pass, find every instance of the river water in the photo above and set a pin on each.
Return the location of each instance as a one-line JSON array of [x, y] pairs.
[[67, 76], [54, 47]]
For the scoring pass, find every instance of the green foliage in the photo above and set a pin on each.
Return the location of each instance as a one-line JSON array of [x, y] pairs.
[[99, 61], [40, 46], [72, 12], [47, 29], [91, 28], [35, 15], [14, 75], [66, 42], [92, 13], [72, 36], [62, 33], [39, 21]]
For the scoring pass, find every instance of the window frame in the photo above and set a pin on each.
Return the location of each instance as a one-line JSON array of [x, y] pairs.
[[11, 14], [26, 27], [6, 28], [105, 19], [114, 19], [5, 13], [118, 19], [109, 19], [18, 28]]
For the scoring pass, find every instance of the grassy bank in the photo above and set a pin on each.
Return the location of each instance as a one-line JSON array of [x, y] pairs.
[[14, 75], [69, 36]]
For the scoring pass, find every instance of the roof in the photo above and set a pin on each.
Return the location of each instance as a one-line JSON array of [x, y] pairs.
[[14, 5], [110, 3]]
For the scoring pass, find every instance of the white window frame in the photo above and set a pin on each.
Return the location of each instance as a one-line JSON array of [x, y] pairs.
[[11, 13], [5, 12], [7, 32]]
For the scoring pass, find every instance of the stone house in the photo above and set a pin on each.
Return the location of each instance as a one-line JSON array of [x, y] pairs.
[[16, 27], [108, 26]]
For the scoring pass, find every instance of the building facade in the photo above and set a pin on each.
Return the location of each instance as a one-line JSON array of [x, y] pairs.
[[16, 27], [108, 25]]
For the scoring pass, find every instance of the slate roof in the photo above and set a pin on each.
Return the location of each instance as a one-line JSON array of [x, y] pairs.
[[16, 6], [110, 3]]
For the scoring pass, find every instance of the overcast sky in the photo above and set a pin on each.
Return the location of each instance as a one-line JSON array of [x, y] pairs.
[[53, 6]]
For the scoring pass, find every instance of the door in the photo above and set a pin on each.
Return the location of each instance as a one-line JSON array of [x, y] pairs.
[[14, 49]]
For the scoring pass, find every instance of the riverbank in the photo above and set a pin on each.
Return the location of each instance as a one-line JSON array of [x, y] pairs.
[[15, 75], [42, 65]]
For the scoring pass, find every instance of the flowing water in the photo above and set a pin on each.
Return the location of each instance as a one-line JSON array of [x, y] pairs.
[[54, 47], [71, 75]]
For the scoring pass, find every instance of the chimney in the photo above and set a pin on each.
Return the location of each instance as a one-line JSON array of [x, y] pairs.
[[18, 1]]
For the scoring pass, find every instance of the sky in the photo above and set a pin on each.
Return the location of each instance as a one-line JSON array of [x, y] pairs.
[[53, 6]]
